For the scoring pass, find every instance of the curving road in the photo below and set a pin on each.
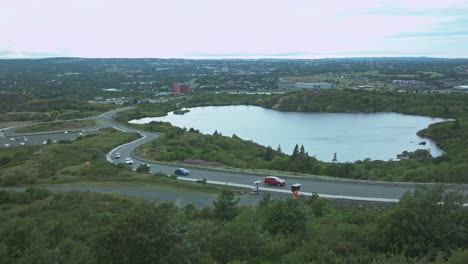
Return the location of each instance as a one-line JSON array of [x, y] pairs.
[[327, 187]]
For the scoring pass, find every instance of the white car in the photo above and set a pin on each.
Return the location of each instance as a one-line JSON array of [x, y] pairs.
[[22, 143], [128, 161], [117, 156], [7, 145]]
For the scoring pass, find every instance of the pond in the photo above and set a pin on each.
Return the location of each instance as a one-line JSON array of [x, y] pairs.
[[352, 136]]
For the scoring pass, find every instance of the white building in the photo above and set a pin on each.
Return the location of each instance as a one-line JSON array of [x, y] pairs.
[[318, 85]]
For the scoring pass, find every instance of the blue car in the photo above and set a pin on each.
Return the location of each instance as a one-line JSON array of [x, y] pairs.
[[182, 172]]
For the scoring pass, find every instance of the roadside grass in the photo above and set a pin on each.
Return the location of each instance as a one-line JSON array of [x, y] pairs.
[[44, 162], [5, 124], [53, 126], [82, 162]]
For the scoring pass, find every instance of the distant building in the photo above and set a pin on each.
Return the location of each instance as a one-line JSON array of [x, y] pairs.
[[288, 84], [318, 85], [179, 88], [408, 83], [225, 69]]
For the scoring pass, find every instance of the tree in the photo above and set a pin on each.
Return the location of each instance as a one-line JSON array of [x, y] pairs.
[[225, 207], [279, 150], [426, 222], [236, 240], [285, 216], [295, 153], [268, 154], [147, 234], [302, 151]]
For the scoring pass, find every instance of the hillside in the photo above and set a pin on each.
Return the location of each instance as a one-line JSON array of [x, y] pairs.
[[9, 102], [436, 105]]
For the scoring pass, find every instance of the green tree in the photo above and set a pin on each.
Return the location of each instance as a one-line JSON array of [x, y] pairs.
[[146, 234], [268, 154], [236, 241], [295, 153], [225, 207], [425, 222], [285, 216]]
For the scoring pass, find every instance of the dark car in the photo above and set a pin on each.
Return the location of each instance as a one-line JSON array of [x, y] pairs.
[[182, 172], [273, 180]]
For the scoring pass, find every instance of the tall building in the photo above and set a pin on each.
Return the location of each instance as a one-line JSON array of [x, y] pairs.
[[184, 88], [179, 88]]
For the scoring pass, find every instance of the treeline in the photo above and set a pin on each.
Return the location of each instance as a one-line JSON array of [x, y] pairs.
[[434, 105], [39, 226]]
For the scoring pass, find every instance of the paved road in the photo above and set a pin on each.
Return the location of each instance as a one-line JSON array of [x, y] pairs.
[[324, 186]]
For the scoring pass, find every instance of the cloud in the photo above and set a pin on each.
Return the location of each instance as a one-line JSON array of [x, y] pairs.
[[279, 28]]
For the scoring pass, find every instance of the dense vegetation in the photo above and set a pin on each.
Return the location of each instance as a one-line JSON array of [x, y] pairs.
[[38, 226], [23, 107], [178, 144], [436, 105], [66, 161]]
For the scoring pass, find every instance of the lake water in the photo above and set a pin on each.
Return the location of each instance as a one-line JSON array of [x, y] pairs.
[[353, 136]]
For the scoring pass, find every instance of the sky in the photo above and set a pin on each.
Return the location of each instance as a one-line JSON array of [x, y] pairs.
[[233, 28]]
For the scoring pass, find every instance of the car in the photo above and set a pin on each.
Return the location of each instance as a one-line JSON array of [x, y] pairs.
[[117, 156], [128, 161], [12, 139], [44, 142], [273, 180], [7, 145], [181, 172], [22, 143]]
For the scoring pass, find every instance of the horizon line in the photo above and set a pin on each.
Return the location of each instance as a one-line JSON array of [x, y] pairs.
[[233, 57]]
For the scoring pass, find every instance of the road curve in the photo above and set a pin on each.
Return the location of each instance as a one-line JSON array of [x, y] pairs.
[[327, 187]]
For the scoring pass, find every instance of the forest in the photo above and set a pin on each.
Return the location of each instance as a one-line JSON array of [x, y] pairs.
[[40, 226]]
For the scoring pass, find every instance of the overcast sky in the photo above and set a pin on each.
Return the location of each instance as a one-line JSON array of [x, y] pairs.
[[233, 28]]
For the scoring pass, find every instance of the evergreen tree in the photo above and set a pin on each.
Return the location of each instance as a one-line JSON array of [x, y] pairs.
[[268, 154], [302, 152], [279, 150], [295, 153], [225, 207]]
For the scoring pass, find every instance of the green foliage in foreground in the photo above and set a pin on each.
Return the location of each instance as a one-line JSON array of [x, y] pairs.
[[38, 226], [63, 125]]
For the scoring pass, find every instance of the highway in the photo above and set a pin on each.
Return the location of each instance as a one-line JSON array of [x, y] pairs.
[[327, 187]]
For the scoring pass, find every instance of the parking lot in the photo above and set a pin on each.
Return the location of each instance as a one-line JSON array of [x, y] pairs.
[[18, 140]]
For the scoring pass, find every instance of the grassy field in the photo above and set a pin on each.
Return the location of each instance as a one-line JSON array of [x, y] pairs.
[[62, 125], [14, 123]]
